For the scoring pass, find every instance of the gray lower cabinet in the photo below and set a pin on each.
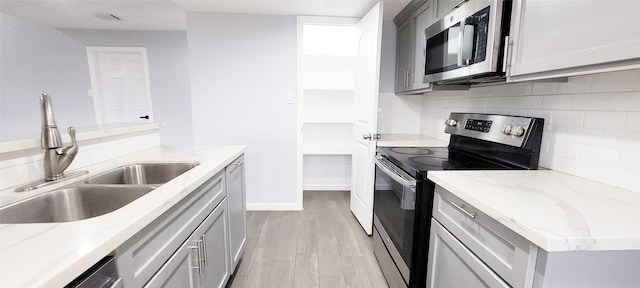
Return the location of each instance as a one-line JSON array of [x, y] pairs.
[[212, 242], [236, 201], [145, 253], [467, 248], [177, 272], [191, 244], [452, 265], [202, 261]]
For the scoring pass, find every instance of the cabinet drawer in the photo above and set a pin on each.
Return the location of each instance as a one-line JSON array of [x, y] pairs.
[[141, 256], [507, 253], [452, 265]]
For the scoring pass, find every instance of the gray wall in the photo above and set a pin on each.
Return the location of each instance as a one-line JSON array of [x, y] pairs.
[[37, 59], [241, 67], [168, 75]]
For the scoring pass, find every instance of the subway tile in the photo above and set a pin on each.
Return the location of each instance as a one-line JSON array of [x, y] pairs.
[[630, 161], [545, 88], [491, 91], [625, 101], [554, 131], [544, 114], [550, 161], [621, 140], [614, 81], [568, 118], [556, 102], [598, 101], [599, 155], [578, 168], [604, 119], [564, 149], [633, 122], [502, 102], [618, 177], [531, 102], [516, 112], [581, 135], [521, 89], [576, 84]]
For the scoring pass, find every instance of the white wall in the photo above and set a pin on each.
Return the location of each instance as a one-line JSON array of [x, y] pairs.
[[37, 59], [241, 68], [592, 123], [168, 75]]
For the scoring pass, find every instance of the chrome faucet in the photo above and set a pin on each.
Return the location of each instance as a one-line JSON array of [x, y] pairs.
[[55, 160]]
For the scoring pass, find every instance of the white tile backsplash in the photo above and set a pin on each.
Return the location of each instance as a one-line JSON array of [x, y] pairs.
[[592, 122], [27, 165], [633, 122]]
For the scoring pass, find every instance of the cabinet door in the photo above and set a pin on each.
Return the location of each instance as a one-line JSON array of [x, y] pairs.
[[564, 38], [178, 271], [452, 265], [404, 56], [237, 207], [423, 18], [211, 238]]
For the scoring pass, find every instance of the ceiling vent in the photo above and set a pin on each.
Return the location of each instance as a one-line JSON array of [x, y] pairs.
[[108, 17]]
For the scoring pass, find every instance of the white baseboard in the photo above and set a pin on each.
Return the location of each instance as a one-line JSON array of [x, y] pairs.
[[273, 207], [327, 187]]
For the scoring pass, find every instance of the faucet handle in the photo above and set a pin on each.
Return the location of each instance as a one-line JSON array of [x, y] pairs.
[[72, 134]]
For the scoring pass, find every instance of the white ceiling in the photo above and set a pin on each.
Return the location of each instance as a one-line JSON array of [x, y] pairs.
[[170, 14]]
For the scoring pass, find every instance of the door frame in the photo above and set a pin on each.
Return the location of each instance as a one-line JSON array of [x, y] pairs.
[[96, 89], [301, 21]]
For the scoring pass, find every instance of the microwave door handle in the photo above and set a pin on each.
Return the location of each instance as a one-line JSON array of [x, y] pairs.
[[402, 180], [461, 42]]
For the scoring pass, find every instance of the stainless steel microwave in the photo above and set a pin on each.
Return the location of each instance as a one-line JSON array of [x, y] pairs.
[[469, 44]]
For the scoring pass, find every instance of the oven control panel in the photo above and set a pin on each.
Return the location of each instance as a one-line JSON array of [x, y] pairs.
[[504, 129], [478, 125]]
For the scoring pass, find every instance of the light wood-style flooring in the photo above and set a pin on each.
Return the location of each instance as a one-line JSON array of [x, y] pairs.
[[322, 246]]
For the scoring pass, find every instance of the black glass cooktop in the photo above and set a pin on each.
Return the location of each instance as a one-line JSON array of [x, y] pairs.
[[423, 159]]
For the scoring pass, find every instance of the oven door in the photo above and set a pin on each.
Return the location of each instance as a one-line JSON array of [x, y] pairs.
[[465, 43], [394, 210]]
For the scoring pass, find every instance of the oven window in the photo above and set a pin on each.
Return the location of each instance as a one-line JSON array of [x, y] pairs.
[[395, 215]]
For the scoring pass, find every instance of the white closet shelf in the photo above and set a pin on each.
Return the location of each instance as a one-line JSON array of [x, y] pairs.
[[327, 151]]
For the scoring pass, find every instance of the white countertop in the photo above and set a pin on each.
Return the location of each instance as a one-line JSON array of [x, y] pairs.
[[409, 140], [51, 255], [555, 211]]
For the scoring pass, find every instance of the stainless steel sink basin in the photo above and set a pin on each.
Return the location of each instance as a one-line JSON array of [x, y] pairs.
[[142, 174], [71, 204]]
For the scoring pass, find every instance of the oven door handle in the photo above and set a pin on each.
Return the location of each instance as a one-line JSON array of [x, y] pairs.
[[405, 180]]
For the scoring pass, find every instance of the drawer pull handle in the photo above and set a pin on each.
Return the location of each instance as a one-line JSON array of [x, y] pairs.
[[472, 215]]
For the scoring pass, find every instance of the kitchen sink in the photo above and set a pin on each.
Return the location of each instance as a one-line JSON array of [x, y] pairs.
[[142, 174], [71, 204]]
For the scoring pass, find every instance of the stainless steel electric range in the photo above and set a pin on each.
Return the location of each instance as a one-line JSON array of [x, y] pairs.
[[403, 196]]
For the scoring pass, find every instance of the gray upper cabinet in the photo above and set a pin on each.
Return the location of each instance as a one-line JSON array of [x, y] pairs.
[[404, 56], [564, 38], [410, 44], [236, 201]]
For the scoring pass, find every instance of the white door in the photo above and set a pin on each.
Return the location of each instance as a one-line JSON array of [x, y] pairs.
[[366, 102], [120, 84]]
